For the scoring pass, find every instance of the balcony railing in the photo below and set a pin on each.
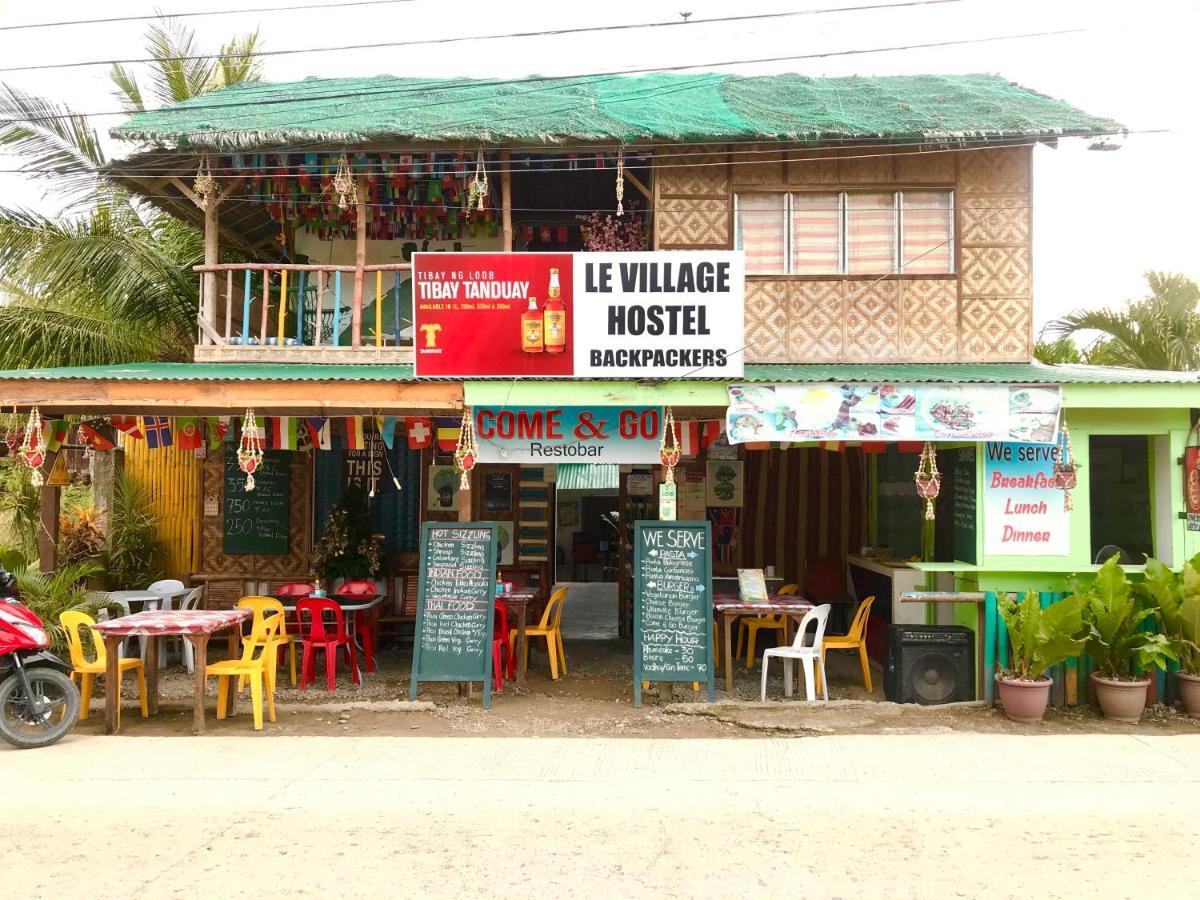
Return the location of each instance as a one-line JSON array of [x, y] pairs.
[[304, 313]]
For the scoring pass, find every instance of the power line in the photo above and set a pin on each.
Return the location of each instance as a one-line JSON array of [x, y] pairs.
[[215, 12], [554, 32]]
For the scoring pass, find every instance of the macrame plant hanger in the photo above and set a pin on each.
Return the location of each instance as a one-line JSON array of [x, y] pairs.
[[928, 479], [249, 452], [668, 448], [620, 182], [204, 185], [33, 447], [466, 452], [1065, 470]]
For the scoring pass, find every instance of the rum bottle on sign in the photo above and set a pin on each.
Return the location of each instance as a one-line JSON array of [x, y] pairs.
[[554, 317], [531, 329]]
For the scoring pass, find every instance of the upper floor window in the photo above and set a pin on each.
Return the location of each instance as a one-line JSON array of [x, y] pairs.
[[846, 233]]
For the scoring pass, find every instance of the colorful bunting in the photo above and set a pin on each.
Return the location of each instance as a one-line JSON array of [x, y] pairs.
[[318, 431], [216, 428], [127, 425], [187, 433], [283, 433], [447, 437], [694, 436], [54, 434], [420, 432], [90, 437], [158, 431], [354, 433], [387, 429]]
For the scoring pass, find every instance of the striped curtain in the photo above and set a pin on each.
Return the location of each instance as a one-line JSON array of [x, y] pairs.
[[816, 234], [760, 232], [925, 236], [800, 504], [870, 233]]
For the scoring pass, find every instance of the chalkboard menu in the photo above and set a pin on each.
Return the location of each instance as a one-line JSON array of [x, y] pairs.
[[455, 605], [256, 522], [672, 604], [964, 505]]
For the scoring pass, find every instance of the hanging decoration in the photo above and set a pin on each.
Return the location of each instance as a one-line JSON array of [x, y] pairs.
[[250, 448], [343, 184], [928, 479], [620, 182], [33, 447], [1065, 470], [205, 184], [466, 452], [669, 450], [477, 191]]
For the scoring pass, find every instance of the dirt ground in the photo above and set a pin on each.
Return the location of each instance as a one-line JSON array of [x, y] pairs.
[[595, 699]]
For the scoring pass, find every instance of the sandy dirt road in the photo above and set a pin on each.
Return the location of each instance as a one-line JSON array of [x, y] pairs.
[[920, 815]]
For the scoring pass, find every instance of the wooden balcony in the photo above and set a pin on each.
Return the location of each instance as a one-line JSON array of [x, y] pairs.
[[286, 313]]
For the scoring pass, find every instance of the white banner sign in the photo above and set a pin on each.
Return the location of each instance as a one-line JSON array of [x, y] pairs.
[[1023, 512]]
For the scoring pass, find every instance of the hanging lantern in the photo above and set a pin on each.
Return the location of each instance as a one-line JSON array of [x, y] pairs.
[[620, 182], [928, 479], [466, 453], [33, 447], [205, 184], [250, 448], [669, 450], [343, 184], [1065, 471]]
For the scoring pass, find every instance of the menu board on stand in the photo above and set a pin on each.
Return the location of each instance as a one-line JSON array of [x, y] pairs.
[[456, 603], [672, 604]]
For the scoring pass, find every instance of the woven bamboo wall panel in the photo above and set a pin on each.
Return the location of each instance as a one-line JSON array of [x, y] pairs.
[[995, 329], [872, 321], [866, 169], [995, 219], [756, 165], [812, 167], [815, 332], [926, 168], [928, 321], [692, 172], [692, 223], [997, 271], [171, 478], [1002, 170], [767, 321]]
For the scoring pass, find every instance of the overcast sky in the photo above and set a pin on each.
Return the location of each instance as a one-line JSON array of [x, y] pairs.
[[1100, 219]]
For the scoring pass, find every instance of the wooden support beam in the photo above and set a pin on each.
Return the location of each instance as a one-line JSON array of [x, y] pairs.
[[47, 535], [212, 256], [506, 200], [637, 183], [360, 260]]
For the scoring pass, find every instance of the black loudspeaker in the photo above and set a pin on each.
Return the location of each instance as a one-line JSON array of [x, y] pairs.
[[929, 664]]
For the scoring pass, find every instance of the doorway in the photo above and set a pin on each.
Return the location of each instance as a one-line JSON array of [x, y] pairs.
[[586, 538]]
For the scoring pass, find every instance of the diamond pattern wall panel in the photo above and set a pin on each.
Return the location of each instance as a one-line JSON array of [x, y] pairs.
[[996, 271], [995, 329], [767, 321], [692, 222], [994, 219], [872, 321], [929, 321], [815, 322], [1003, 170], [692, 171]]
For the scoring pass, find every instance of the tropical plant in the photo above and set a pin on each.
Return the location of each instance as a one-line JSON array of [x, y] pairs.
[[1159, 331], [135, 553], [110, 279], [347, 549], [1058, 352], [81, 534], [51, 595], [1040, 638], [1177, 601], [1115, 615], [20, 507]]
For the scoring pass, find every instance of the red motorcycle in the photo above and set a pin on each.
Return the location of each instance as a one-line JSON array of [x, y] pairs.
[[39, 703]]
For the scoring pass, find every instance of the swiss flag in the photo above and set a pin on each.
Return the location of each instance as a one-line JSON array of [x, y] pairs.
[[420, 432]]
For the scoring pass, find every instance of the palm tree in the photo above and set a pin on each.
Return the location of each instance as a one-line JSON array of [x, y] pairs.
[[1159, 331], [109, 280], [1057, 352]]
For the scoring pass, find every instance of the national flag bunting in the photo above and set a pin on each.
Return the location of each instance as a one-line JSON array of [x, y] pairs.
[[283, 433], [187, 433], [420, 432], [354, 433], [318, 431], [158, 431], [94, 439], [911, 446], [54, 434], [694, 436], [874, 447], [216, 428], [387, 429], [833, 446], [447, 435], [128, 425], [757, 445]]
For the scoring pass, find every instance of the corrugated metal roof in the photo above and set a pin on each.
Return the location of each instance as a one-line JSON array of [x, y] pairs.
[[666, 106], [587, 476], [164, 371]]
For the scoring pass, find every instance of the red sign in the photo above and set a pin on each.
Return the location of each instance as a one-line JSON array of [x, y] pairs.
[[481, 314], [1191, 486]]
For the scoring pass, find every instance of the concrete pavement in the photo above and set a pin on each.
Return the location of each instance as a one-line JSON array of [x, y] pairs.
[[920, 815]]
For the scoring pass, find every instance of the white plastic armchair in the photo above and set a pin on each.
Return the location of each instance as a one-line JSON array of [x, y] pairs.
[[809, 655]]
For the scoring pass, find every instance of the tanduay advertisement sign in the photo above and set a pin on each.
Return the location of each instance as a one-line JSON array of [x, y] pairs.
[[672, 314]]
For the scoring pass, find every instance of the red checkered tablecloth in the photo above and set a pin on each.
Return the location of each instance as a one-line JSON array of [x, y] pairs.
[[179, 621]]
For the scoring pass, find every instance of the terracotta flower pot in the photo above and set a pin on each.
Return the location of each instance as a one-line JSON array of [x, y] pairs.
[[1121, 701], [1024, 701], [1189, 693]]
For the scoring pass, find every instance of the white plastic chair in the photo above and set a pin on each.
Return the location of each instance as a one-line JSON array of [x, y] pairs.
[[170, 588], [808, 654], [190, 601]]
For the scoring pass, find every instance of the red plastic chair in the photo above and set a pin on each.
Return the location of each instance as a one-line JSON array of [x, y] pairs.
[[317, 636], [293, 589], [500, 646], [364, 623]]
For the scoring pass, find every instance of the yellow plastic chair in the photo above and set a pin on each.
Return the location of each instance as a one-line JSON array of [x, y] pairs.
[[550, 628], [750, 627], [262, 607], [72, 621], [855, 639], [257, 665]]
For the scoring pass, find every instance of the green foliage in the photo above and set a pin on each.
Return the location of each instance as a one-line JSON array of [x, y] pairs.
[[136, 554], [1117, 640], [80, 535], [347, 549], [1177, 601], [1058, 352], [1041, 638], [49, 596], [12, 559], [20, 507]]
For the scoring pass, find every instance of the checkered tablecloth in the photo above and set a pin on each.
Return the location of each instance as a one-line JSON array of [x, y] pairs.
[[778, 603], [178, 621]]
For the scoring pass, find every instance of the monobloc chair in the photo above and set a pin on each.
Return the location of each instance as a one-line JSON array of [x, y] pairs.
[[501, 645], [168, 587], [187, 652], [549, 628], [71, 621], [362, 591], [808, 654], [855, 639], [256, 665], [264, 607], [750, 627], [324, 634]]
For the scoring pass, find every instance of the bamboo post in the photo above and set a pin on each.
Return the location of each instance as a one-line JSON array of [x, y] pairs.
[[246, 307], [47, 536], [300, 303], [337, 308], [360, 260], [320, 301], [506, 200], [228, 305], [282, 303], [211, 258], [378, 308], [266, 302]]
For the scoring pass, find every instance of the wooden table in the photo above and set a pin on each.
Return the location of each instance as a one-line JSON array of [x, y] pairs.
[[727, 607], [195, 626], [518, 600]]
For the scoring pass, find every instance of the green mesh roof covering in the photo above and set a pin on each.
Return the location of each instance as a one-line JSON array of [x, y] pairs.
[[672, 107]]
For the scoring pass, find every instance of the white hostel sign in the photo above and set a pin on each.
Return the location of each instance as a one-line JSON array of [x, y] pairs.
[[1023, 511], [671, 314]]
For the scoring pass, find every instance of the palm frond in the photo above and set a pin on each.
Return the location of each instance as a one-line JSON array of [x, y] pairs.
[[237, 63], [36, 334], [177, 74], [128, 92], [54, 143]]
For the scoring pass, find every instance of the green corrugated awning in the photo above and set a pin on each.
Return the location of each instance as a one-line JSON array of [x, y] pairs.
[[587, 476]]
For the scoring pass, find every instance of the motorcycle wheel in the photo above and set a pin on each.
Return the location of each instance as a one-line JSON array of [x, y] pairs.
[[20, 727]]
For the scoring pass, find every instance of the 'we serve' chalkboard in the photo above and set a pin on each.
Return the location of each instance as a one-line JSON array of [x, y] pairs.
[[456, 602], [672, 604], [256, 522]]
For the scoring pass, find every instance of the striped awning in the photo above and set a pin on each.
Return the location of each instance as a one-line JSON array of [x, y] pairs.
[[587, 476]]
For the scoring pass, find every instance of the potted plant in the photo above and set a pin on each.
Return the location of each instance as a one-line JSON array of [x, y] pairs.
[[348, 550], [1177, 598], [1116, 643], [1039, 638]]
